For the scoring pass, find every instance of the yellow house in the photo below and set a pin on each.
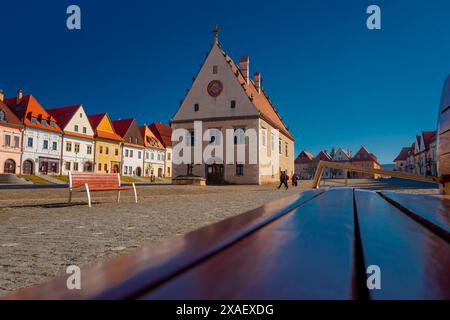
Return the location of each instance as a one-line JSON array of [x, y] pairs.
[[108, 145]]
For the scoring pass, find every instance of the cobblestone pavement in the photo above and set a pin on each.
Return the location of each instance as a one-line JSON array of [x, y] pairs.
[[40, 234]]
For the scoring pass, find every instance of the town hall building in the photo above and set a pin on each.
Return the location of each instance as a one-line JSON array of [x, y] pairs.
[[224, 98]]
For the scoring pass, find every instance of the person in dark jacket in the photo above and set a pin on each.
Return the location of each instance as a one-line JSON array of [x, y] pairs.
[[294, 180], [283, 180]]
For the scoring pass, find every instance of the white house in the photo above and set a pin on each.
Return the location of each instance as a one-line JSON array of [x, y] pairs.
[[154, 154], [340, 155], [78, 140], [133, 147], [42, 138]]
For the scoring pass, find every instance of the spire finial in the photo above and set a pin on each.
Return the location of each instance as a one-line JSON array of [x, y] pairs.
[[216, 31]]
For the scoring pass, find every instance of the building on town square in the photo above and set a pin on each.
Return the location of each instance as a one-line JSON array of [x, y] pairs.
[[11, 132], [164, 134], [303, 165], [42, 137], [108, 144], [364, 159], [224, 98], [78, 139], [154, 154], [133, 147]]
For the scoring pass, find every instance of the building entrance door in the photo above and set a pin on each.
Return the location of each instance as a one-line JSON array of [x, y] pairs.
[[214, 174]]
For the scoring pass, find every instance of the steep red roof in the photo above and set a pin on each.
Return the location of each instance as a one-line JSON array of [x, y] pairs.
[[28, 108], [95, 119], [259, 100], [364, 155], [163, 133], [122, 126], [323, 156], [304, 157], [63, 114], [403, 155], [10, 117], [428, 137]]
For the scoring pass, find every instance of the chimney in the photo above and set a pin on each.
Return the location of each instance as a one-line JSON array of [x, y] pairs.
[[2, 95], [19, 96], [244, 66], [258, 81]]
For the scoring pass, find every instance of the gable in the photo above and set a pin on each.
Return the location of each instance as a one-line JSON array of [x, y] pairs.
[[133, 134], [105, 124], [220, 106], [80, 119], [7, 116]]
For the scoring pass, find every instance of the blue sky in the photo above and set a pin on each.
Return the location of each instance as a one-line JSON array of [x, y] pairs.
[[335, 82]]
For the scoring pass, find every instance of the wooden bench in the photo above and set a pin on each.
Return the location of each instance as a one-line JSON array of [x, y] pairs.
[[93, 182], [317, 244]]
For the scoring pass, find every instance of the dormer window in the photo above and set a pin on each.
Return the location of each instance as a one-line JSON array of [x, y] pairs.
[[2, 116], [52, 124], [43, 122], [33, 120]]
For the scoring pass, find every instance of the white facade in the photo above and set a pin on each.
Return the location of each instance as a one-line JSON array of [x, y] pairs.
[[132, 160], [43, 149], [340, 155], [78, 152], [154, 162]]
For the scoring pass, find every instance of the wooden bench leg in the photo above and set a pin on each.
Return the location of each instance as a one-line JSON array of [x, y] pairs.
[[88, 194], [135, 193], [70, 196], [118, 196]]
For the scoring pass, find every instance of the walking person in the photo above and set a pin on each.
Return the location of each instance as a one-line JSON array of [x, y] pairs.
[[283, 180]]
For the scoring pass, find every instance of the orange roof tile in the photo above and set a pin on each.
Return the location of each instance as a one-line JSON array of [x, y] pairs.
[[29, 107], [163, 133]]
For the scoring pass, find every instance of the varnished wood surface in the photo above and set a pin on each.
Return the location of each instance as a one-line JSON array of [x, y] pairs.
[[414, 261], [314, 245]]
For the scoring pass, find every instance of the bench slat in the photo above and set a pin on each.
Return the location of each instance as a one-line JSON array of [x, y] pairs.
[[414, 262], [306, 254], [432, 211]]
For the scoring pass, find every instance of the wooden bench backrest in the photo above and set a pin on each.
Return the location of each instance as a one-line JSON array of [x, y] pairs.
[[79, 179]]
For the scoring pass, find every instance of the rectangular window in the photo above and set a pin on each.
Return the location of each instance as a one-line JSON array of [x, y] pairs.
[[30, 142], [16, 141], [125, 170], [54, 145], [106, 150], [196, 107], [146, 155], [272, 141], [117, 152], [69, 146], [215, 69], [84, 130], [139, 155], [192, 138], [45, 145], [286, 149], [153, 156], [131, 153], [263, 136], [68, 165], [239, 169], [89, 149], [105, 167], [52, 124], [100, 150], [76, 128], [43, 122], [126, 152], [279, 146], [168, 156], [233, 104], [99, 167], [77, 147], [7, 140], [33, 120]]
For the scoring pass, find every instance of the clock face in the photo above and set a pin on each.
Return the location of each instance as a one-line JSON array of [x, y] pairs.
[[215, 88]]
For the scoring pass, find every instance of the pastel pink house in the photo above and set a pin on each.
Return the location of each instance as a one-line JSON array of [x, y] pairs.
[[11, 132]]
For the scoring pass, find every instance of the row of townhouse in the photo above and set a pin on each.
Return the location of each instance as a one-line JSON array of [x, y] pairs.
[[420, 157], [34, 140], [306, 164]]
